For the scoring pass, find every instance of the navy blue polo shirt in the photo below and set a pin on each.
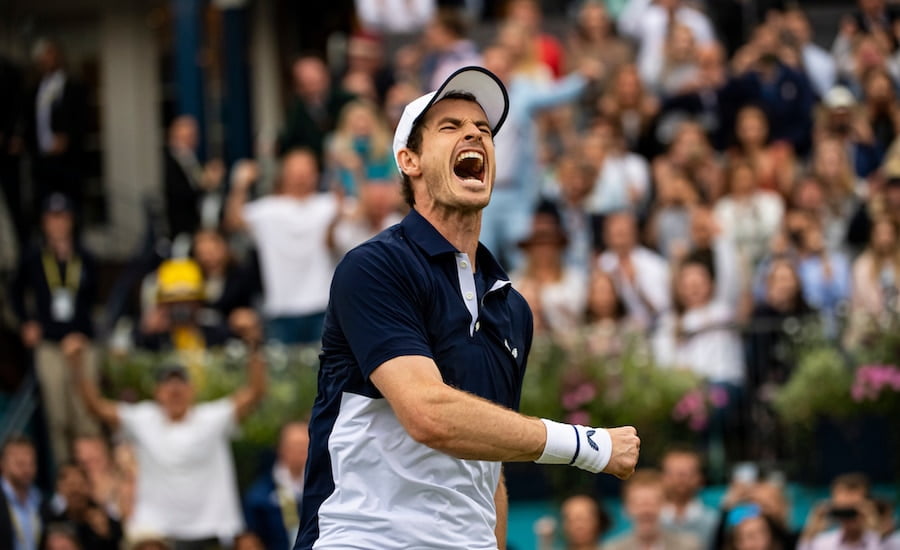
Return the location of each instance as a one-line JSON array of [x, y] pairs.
[[408, 291]]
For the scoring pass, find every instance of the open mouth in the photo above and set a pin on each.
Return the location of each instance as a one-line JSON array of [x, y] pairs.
[[469, 166]]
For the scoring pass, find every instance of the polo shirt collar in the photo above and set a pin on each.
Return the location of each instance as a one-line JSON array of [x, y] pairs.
[[420, 231]]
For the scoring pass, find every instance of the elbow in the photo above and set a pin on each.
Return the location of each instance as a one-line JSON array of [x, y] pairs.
[[425, 424]]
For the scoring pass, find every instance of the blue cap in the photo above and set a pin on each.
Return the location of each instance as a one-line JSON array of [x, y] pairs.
[[742, 512]]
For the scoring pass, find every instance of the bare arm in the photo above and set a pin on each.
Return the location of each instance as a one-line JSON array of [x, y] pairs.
[[104, 409], [245, 174], [468, 427], [247, 397], [501, 502]]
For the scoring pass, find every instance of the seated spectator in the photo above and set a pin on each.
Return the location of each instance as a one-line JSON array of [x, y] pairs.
[[53, 294], [359, 149], [876, 281], [824, 276], [449, 48], [176, 322], [623, 181], [816, 62], [870, 18], [700, 334], [644, 497], [691, 154], [773, 163], [594, 37], [359, 220], [679, 69], [682, 477], [747, 495], [575, 180], [546, 46], [709, 246], [72, 505], [668, 228], [849, 510], [290, 231], [641, 276], [20, 499], [809, 198], [633, 107], [608, 325], [62, 537], [227, 286], [749, 529], [749, 216], [880, 109], [842, 120], [272, 503], [186, 486], [106, 480], [555, 292], [584, 522]]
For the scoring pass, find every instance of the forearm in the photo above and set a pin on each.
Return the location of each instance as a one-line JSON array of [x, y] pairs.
[[96, 404], [246, 398], [501, 503], [237, 198]]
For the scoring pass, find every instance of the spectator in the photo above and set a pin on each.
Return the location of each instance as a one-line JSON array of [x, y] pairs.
[[594, 37], [359, 150], [876, 281], [623, 181], [749, 529], [832, 169], [872, 18], [748, 496], [228, 287], [106, 480], [53, 295], [773, 163], [648, 21], [555, 292], [630, 104], [851, 510], [691, 154], [817, 63], [365, 56], [682, 478], [700, 334], [608, 325], [845, 123], [643, 497], [449, 49], [186, 486], [574, 181], [809, 200], [824, 276], [584, 522], [55, 127], [749, 216], [396, 99], [881, 110], [679, 69], [707, 245], [272, 503], [191, 188], [315, 107], [668, 227], [72, 505], [547, 48], [373, 211], [396, 16], [519, 41], [20, 500], [641, 276], [290, 231], [62, 537], [176, 320], [516, 186]]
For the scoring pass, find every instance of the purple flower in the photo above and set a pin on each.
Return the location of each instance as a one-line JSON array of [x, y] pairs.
[[718, 396]]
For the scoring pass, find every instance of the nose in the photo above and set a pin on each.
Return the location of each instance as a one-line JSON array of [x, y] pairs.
[[472, 132]]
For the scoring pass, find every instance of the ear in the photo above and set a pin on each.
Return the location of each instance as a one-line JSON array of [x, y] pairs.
[[409, 162]]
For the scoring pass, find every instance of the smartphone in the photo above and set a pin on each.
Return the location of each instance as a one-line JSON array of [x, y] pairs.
[[745, 472], [843, 513]]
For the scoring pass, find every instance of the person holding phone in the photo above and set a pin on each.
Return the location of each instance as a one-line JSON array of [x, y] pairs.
[[851, 510]]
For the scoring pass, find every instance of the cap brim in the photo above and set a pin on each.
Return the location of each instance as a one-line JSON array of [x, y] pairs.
[[487, 89]]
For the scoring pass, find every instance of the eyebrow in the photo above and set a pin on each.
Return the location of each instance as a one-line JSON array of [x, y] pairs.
[[458, 122]]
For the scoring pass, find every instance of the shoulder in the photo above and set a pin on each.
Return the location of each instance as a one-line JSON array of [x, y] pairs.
[[383, 258], [138, 414], [624, 542]]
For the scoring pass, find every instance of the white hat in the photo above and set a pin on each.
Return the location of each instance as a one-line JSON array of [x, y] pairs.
[[839, 97], [489, 92]]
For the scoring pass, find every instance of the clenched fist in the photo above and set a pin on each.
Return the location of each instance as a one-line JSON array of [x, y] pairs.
[[626, 446]]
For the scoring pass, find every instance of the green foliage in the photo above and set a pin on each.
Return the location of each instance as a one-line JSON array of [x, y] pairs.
[[820, 385]]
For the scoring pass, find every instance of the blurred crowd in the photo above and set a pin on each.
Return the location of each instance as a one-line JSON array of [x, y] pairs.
[[656, 178]]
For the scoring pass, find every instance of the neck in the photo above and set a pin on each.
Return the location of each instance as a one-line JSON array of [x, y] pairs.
[[461, 229], [61, 247], [680, 504], [647, 536], [546, 273]]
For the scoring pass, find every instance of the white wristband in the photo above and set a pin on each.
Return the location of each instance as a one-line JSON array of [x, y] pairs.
[[580, 446]]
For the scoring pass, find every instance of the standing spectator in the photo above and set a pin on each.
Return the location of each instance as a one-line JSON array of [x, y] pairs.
[[191, 188], [290, 231], [818, 64], [749, 216], [359, 150], [55, 127], [20, 500], [851, 510], [773, 163], [555, 292], [445, 37], [272, 503], [682, 477], [700, 334], [315, 108], [709, 246], [53, 295], [644, 498], [648, 22], [186, 486], [72, 505], [641, 275], [107, 481], [228, 287], [374, 211]]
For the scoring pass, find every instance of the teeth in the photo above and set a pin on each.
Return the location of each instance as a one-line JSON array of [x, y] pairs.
[[469, 155]]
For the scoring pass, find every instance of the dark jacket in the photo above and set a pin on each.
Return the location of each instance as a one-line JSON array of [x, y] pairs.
[[83, 530], [182, 198], [262, 513], [307, 127]]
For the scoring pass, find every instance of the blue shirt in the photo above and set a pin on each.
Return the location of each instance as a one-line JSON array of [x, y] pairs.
[[406, 292], [26, 518]]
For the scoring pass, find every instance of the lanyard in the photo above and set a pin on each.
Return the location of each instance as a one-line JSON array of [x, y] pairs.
[[54, 275], [35, 522]]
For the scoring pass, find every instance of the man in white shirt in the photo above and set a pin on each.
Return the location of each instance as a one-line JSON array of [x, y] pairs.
[[186, 486], [641, 275], [851, 511], [290, 230]]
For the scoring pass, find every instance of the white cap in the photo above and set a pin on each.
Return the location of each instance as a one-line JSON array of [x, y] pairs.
[[487, 89], [839, 97]]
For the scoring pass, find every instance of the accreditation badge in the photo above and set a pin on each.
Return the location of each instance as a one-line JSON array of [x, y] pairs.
[[62, 307]]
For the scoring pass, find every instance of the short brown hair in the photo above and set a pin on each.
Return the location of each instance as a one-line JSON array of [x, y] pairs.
[[853, 481], [645, 477]]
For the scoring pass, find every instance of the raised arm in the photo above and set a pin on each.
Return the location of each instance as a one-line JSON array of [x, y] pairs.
[[468, 427], [104, 409], [247, 397], [246, 173]]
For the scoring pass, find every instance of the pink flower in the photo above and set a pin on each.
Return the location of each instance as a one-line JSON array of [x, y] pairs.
[[579, 417], [718, 396], [698, 422]]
